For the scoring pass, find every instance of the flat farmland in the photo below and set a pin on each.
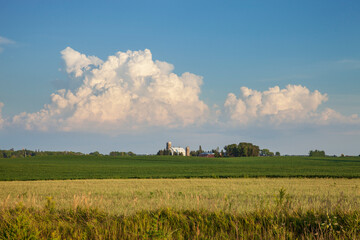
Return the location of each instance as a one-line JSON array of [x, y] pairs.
[[105, 167], [186, 205]]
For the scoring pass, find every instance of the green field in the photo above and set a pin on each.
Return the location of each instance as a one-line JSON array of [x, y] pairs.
[[105, 167]]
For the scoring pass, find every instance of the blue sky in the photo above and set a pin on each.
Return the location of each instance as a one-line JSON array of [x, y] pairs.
[[231, 44]]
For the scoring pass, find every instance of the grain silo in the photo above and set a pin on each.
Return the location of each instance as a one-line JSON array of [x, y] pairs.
[[168, 145], [187, 152]]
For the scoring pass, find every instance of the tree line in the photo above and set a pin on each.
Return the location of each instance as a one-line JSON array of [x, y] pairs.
[[11, 153]]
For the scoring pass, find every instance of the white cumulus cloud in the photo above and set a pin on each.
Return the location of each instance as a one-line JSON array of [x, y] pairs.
[[129, 90], [77, 63], [293, 104], [329, 116]]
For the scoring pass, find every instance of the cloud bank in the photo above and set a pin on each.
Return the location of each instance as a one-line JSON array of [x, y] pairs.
[[294, 104], [130, 91], [127, 91]]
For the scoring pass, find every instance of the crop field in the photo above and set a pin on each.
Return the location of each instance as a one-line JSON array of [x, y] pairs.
[[105, 167], [247, 208]]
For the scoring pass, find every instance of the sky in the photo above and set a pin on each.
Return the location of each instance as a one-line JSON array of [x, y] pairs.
[[131, 75]]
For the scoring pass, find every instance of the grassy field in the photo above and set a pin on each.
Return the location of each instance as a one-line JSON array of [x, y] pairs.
[[281, 208], [86, 223], [128, 196], [89, 167]]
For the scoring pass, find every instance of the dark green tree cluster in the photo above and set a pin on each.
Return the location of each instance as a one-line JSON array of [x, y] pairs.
[[197, 152], [194, 153], [163, 152], [11, 153], [121, 154], [242, 149], [266, 152], [96, 153], [317, 153], [217, 153]]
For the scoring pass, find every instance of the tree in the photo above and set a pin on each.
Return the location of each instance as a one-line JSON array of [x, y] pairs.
[[131, 154], [231, 150], [193, 153], [216, 152], [200, 149], [266, 152], [96, 153], [243, 149], [164, 152], [316, 153], [277, 154]]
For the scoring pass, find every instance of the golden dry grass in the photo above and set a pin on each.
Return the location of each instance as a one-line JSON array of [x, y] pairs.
[[127, 196]]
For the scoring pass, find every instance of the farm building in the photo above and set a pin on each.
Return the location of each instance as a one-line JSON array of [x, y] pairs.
[[177, 150], [207, 154]]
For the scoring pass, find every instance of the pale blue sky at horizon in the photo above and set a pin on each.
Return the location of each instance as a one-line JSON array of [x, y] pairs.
[[230, 44]]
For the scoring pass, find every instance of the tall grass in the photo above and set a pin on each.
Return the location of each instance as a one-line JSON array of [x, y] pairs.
[[48, 222], [181, 209]]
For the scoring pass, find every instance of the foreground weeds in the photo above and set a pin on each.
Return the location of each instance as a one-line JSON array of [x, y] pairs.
[[22, 222]]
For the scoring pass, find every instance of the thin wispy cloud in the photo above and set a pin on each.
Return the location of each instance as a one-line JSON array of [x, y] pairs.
[[1, 119], [352, 63], [5, 41]]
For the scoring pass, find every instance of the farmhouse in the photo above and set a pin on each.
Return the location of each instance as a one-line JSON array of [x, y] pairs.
[[207, 154], [177, 150]]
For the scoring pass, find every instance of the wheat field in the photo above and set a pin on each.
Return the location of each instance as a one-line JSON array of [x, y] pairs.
[[127, 196]]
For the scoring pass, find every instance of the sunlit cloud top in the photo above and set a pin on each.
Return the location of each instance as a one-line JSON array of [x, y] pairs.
[[127, 91]]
